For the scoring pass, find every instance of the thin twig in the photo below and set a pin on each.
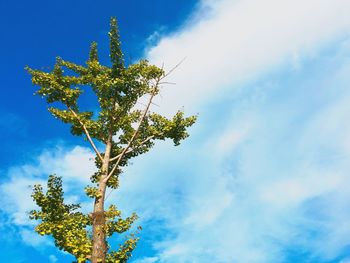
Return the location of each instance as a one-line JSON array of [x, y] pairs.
[[175, 67], [155, 104], [167, 82]]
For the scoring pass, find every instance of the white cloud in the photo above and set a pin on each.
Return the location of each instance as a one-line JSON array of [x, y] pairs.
[[239, 40], [74, 165], [53, 258], [280, 190], [16, 198], [231, 137], [273, 174], [287, 192], [33, 239]]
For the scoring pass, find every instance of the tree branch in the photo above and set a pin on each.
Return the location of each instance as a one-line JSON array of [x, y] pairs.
[[133, 149], [87, 134], [127, 148], [120, 156], [173, 69]]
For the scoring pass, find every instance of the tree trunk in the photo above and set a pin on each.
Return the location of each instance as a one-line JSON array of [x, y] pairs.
[[99, 247]]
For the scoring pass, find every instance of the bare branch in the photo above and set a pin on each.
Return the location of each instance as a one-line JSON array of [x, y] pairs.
[[87, 134], [172, 70], [130, 150], [133, 149], [155, 104]]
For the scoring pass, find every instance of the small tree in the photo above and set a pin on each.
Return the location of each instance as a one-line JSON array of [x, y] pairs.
[[124, 131]]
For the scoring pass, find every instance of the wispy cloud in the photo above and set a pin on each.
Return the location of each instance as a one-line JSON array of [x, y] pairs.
[[227, 42], [272, 174], [53, 258], [33, 239], [281, 184], [73, 164]]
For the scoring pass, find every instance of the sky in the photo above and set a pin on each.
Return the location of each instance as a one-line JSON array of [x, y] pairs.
[[263, 177]]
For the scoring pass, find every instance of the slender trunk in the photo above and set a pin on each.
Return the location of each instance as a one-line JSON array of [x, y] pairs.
[[99, 247]]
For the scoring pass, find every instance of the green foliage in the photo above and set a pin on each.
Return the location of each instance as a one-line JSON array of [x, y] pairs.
[[61, 221], [125, 131], [92, 192], [70, 228], [124, 251], [114, 222]]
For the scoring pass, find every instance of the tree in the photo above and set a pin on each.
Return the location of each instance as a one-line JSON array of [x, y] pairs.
[[124, 132]]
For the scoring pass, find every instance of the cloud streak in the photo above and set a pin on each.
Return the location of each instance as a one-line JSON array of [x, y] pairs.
[[269, 173], [227, 42], [279, 184]]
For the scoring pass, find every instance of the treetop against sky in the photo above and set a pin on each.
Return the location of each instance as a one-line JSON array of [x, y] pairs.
[[263, 176]]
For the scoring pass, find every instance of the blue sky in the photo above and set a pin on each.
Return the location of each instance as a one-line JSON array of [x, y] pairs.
[[264, 175]]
